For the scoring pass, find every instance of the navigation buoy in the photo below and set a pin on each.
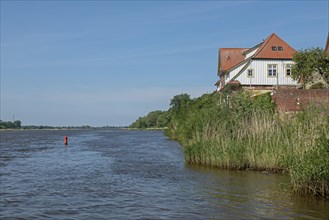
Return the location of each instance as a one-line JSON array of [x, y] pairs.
[[65, 140]]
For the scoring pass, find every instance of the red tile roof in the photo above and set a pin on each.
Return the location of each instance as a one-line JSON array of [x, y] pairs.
[[265, 51], [229, 57]]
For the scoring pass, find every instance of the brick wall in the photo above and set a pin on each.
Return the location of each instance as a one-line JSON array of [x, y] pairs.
[[294, 100]]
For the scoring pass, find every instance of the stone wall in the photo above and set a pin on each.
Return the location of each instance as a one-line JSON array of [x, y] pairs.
[[294, 100]]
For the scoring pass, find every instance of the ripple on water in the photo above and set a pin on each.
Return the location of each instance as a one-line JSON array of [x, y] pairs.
[[120, 174]]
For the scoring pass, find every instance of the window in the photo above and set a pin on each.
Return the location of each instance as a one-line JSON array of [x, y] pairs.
[[250, 73], [271, 70], [280, 48], [274, 48], [288, 69]]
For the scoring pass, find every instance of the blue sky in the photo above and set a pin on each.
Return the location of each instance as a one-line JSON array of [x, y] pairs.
[[109, 62]]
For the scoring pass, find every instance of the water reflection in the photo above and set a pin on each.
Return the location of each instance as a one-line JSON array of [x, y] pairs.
[[253, 195]]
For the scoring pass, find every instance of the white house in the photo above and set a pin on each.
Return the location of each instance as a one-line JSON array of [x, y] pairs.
[[264, 66]]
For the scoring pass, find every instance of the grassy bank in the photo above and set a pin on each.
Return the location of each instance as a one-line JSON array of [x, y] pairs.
[[239, 132]]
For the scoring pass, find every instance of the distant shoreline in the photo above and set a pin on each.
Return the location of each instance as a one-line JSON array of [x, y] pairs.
[[57, 129]]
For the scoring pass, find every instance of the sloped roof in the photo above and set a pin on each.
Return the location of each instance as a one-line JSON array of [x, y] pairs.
[[253, 48], [229, 57], [265, 51], [243, 69]]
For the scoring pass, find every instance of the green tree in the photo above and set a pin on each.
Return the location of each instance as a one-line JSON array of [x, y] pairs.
[[139, 123], [152, 117], [3, 124], [163, 119], [309, 61], [17, 124], [179, 102], [10, 124]]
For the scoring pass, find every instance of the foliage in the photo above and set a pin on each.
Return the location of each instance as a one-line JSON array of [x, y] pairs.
[[214, 108], [163, 119], [230, 87], [18, 125], [239, 131], [179, 103], [10, 124], [40, 127], [311, 171], [154, 119], [187, 115], [309, 61], [318, 85], [242, 131]]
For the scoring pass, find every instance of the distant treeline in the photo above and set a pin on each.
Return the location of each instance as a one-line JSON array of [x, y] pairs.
[[10, 125], [18, 125], [55, 127]]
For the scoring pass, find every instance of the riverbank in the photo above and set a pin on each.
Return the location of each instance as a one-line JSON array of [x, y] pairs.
[[239, 132], [148, 129]]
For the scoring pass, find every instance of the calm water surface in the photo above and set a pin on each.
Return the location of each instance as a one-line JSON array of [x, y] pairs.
[[120, 174]]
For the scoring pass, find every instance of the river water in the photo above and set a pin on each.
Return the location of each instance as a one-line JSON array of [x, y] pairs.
[[121, 174]]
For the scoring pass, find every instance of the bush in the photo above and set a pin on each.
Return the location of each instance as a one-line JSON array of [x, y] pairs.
[[154, 119], [318, 85]]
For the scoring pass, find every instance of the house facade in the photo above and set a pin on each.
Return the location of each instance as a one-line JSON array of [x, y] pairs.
[[267, 65]]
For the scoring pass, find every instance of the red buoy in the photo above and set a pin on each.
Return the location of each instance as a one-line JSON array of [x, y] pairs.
[[65, 140]]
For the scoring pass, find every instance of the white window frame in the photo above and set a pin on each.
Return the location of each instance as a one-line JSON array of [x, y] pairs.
[[272, 70], [252, 73]]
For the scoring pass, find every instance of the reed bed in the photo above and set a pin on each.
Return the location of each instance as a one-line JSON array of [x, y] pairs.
[[296, 143]]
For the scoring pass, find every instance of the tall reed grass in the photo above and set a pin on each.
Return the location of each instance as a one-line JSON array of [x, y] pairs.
[[296, 143]]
